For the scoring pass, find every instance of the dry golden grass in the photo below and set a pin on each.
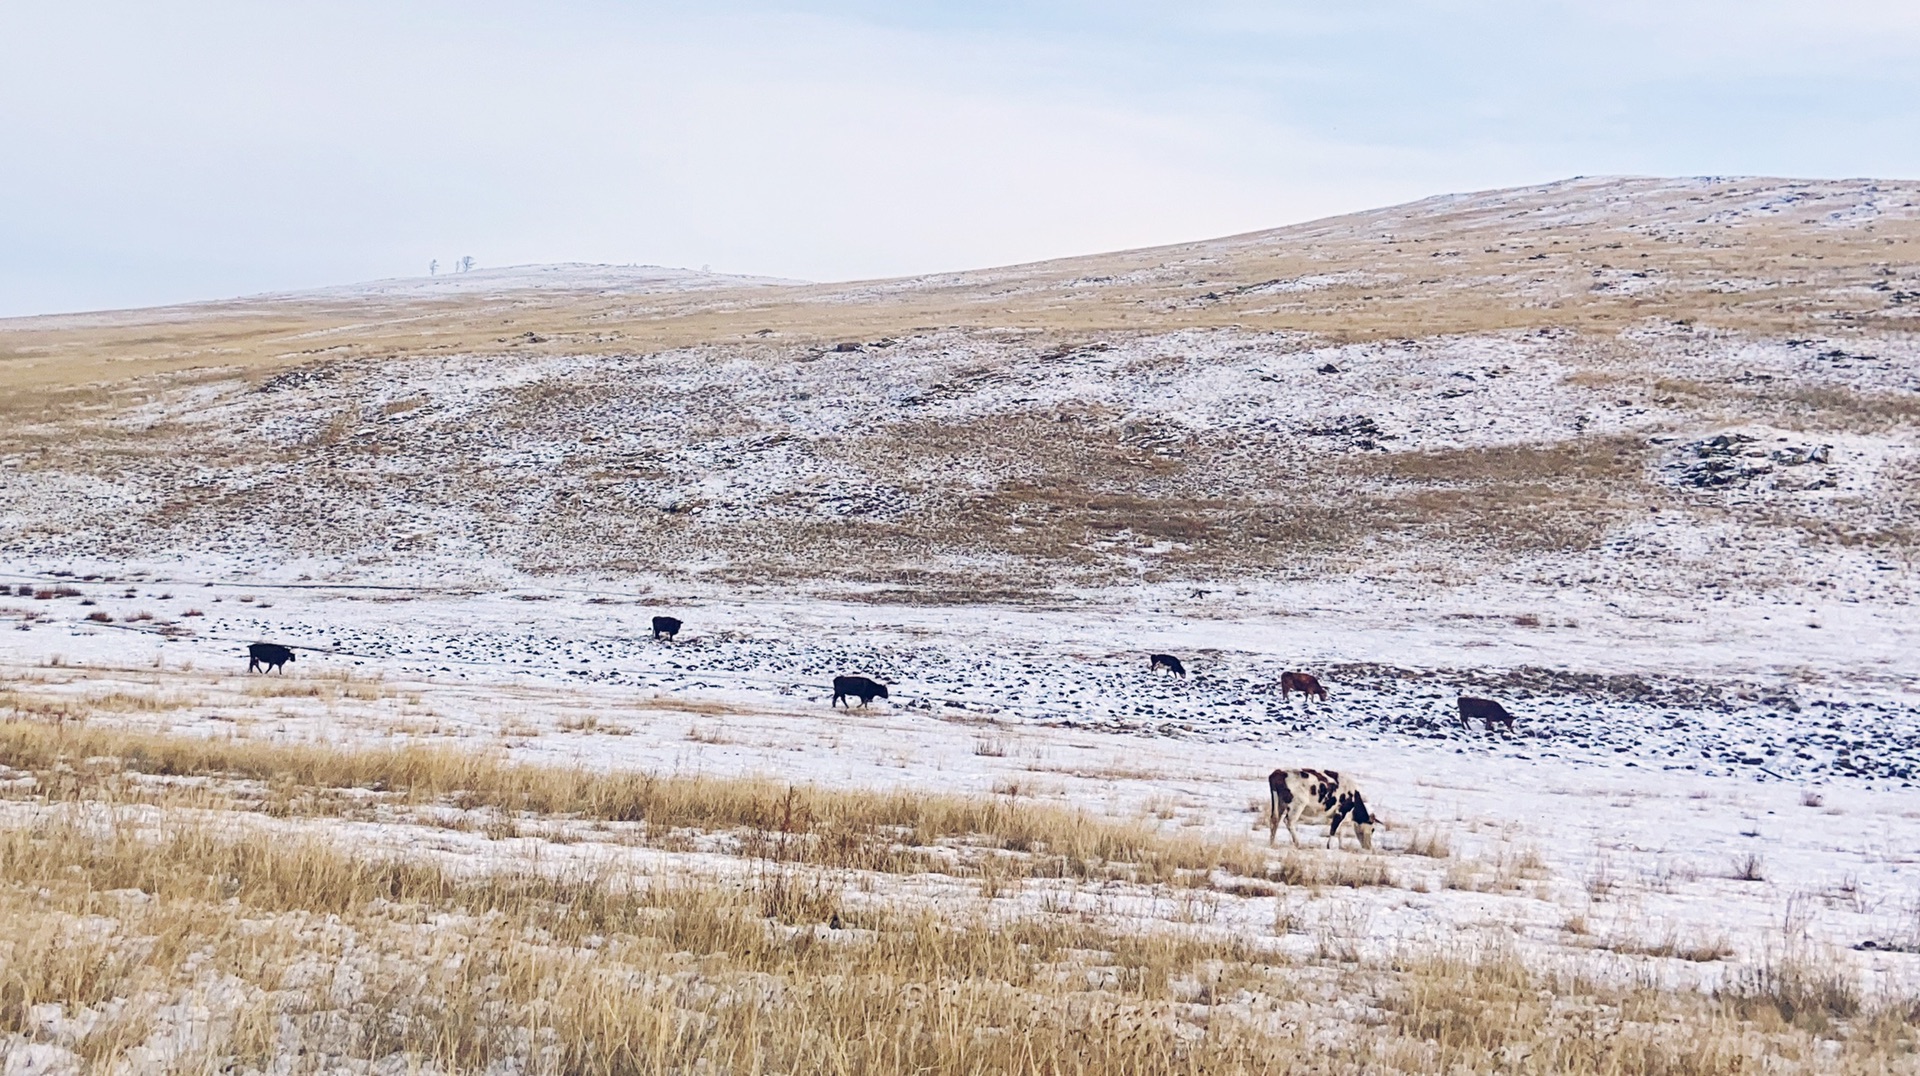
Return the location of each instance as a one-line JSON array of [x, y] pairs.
[[1073, 504], [896, 831], [301, 953], [120, 912], [1534, 498], [328, 685]]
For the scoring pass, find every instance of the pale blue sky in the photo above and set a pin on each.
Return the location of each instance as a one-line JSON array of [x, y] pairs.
[[154, 153]]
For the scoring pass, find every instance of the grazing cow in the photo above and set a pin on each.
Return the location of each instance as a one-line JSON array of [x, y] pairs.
[[667, 626], [271, 655], [1487, 710], [1167, 662], [857, 686], [1317, 794], [1304, 683]]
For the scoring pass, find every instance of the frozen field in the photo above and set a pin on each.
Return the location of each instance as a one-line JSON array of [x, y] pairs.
[[1655, 763]]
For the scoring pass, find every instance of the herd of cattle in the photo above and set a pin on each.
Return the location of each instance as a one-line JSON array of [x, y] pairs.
[[1296, 795]]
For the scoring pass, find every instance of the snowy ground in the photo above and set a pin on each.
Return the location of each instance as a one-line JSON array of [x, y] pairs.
[[1637, 458], [1652, 767]]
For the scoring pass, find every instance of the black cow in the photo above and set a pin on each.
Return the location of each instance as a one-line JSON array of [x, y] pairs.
[[1487, 710], [1167, 662], [667, 626], [272, 655], [857, 686]]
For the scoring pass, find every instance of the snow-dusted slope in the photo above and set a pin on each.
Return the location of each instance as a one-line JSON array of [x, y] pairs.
[[1647, 388]]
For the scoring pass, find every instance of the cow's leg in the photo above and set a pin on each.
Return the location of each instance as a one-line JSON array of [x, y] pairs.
[[1273, 815], [253, 665], [1333, 828], [1293, 814]]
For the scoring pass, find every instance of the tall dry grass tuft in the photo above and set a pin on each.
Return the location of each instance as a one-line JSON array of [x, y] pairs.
[[1474, 1014], [1796, 989]]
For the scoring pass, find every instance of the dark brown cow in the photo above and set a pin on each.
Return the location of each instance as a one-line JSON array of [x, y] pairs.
[[1304, 683], [1487, 710], [1168, 662], [1317, 794]]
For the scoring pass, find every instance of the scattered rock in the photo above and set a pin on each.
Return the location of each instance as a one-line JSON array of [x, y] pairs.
[[1357, 430]]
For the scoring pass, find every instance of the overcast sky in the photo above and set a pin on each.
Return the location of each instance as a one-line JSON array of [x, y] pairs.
[[159, 152]]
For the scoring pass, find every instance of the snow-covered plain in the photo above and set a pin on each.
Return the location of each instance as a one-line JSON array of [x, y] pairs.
[[1612, 828]]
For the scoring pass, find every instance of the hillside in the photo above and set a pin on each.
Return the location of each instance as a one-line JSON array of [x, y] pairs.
[[1643, 384]]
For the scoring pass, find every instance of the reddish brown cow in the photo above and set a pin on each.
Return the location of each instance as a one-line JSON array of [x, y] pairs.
[[1304, 683]]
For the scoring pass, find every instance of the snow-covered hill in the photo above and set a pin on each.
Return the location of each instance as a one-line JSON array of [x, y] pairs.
[[1662, 397]]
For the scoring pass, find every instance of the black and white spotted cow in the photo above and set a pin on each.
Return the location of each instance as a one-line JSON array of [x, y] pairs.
[[1316, 794]]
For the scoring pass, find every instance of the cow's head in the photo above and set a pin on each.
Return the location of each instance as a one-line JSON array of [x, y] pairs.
[[1363, 822], [883, 691]]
